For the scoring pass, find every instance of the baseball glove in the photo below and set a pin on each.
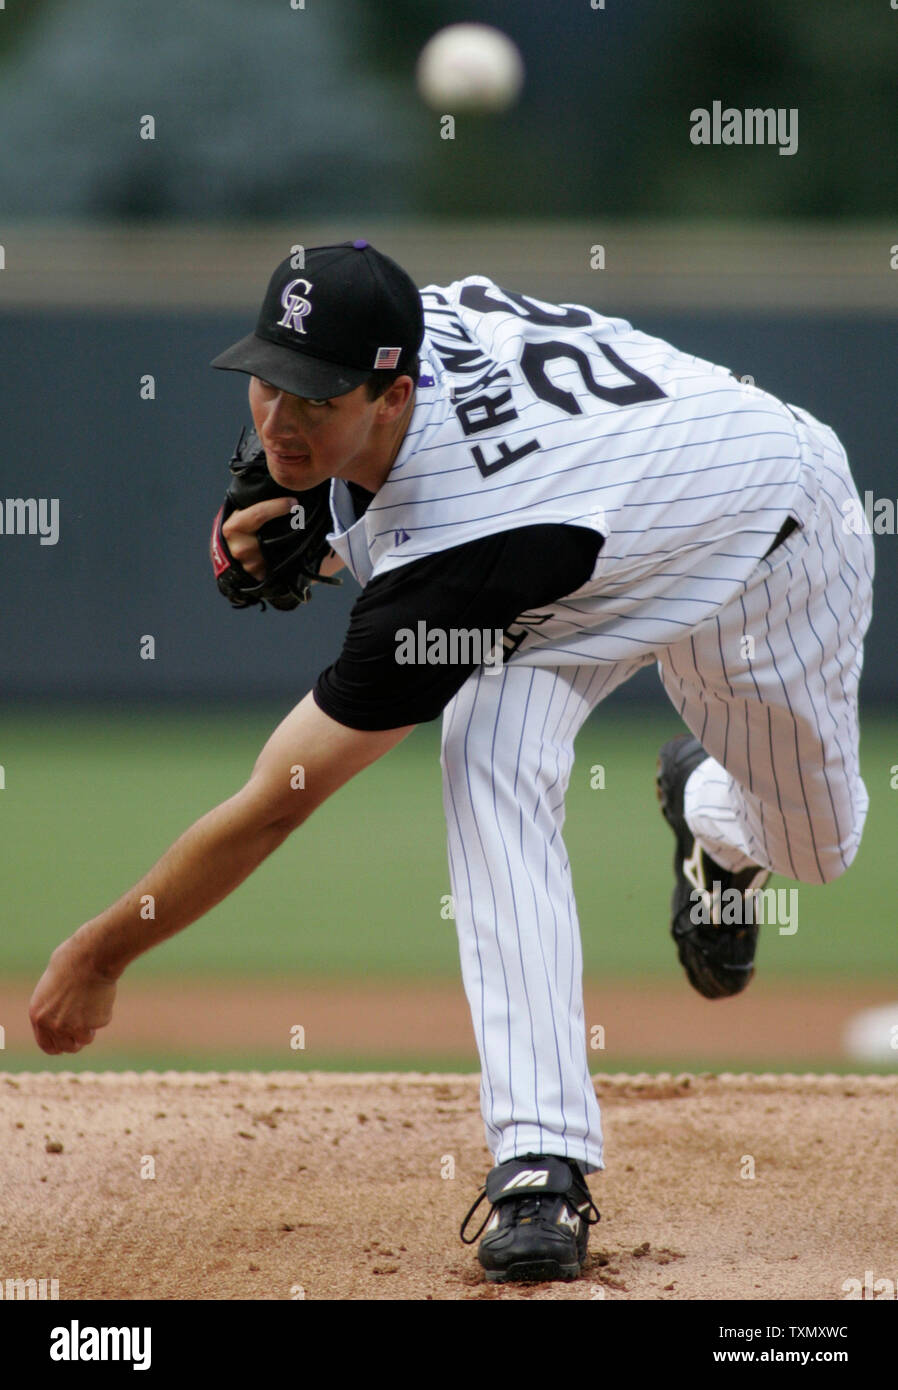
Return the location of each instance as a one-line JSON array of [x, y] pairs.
[[293, 546]]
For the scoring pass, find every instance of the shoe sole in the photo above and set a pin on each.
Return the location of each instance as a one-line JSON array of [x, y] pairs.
[[533, 1272]]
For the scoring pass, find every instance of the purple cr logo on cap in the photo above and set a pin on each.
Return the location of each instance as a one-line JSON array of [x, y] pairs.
[[360, 245]]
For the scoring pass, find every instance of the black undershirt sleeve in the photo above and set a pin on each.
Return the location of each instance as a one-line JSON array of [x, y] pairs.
[[482, 585]]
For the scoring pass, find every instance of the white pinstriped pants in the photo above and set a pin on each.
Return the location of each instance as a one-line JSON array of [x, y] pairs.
[[778, 718]]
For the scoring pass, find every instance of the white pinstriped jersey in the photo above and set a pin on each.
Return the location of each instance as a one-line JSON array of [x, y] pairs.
[[530, 413]]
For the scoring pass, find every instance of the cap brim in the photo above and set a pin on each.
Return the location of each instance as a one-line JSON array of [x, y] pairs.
[[289, 370]]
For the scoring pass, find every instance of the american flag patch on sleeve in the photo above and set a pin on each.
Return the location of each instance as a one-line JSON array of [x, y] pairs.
[[387, 358]]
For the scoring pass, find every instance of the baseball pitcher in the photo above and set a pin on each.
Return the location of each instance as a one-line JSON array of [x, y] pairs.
[[536, 501]]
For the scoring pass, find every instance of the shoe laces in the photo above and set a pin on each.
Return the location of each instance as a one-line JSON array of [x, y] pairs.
[[482, 1227]]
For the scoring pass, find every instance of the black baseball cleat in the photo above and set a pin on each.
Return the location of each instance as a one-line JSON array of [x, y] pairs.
[[716, 944], [537, 1228]]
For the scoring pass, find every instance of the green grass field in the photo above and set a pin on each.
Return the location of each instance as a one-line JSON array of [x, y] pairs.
[[91, 800]]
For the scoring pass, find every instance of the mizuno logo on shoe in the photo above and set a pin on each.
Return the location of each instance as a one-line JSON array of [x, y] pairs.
[[694, 869], [568, 1219], [530, 1177]]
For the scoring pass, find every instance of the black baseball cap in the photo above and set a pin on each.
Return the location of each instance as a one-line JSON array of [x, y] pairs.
[[347, 314]]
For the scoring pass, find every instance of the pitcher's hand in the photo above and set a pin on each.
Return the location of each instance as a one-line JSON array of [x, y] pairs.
[[71, 1001]]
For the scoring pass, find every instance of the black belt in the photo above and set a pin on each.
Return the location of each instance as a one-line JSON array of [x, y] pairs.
[[788, 526]]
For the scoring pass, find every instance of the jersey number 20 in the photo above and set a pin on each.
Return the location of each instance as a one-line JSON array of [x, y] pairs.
[[536, 356]]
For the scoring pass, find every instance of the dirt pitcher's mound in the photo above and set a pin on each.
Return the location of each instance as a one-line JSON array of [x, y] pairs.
[[316, 1185]]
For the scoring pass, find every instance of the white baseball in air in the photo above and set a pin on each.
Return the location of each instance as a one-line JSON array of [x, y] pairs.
[[872, 1035], [470, 67]]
